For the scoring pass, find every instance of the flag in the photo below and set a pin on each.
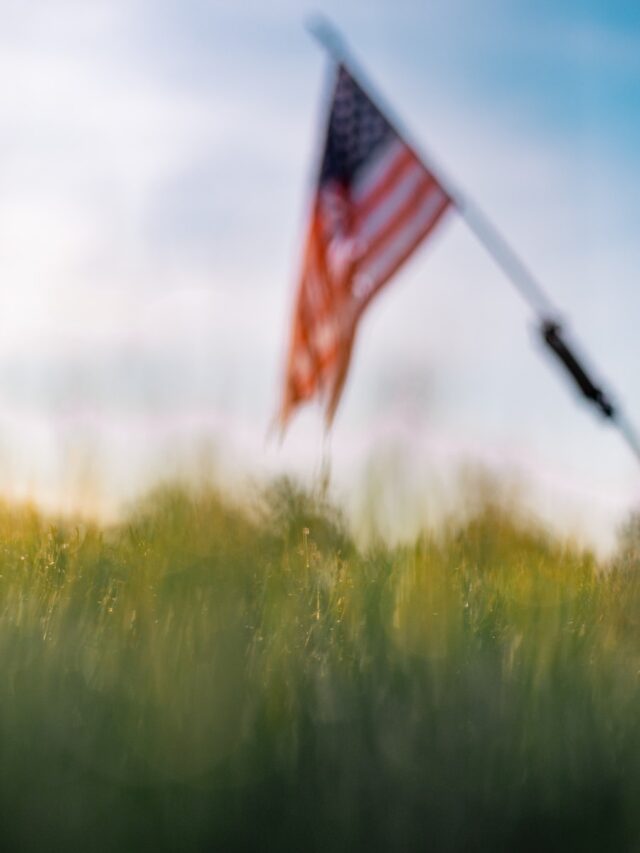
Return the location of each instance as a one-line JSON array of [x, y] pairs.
[[374, 203]]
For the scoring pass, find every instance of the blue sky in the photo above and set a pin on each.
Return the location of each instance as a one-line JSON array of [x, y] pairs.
[[155, 177]]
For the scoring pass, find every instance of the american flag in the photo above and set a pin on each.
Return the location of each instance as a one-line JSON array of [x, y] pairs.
[[374, 203]]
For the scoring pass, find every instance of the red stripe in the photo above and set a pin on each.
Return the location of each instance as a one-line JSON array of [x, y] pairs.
[[397, 262], [401, 218], [385, 184]]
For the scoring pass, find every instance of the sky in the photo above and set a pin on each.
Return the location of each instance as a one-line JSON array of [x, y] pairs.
[[155, 174]]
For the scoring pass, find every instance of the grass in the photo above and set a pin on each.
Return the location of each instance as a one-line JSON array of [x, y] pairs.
[[208, 676]]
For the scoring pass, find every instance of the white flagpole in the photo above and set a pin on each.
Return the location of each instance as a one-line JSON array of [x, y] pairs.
[[478, 222]]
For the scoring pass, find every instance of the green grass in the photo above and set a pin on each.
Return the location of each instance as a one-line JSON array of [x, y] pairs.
[[208, 676]]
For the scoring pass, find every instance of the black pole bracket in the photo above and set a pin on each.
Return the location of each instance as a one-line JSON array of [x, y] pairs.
[[553, 337]]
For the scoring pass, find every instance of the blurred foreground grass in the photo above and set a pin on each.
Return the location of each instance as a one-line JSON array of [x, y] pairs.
[[208, 676]]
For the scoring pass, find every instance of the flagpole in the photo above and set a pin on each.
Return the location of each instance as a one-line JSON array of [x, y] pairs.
[[629, 434], [505, 257], [512, 266]]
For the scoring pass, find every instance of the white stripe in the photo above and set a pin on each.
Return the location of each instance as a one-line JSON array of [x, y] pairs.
[[320, 292], [312, 288], [377, 169], [401, 193], [301, 367], [324, 337], [377, 267]]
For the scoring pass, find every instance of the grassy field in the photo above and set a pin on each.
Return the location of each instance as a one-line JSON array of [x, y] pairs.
[[208, 676]]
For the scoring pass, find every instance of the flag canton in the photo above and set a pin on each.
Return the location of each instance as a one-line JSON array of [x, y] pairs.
[[356, 130]]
